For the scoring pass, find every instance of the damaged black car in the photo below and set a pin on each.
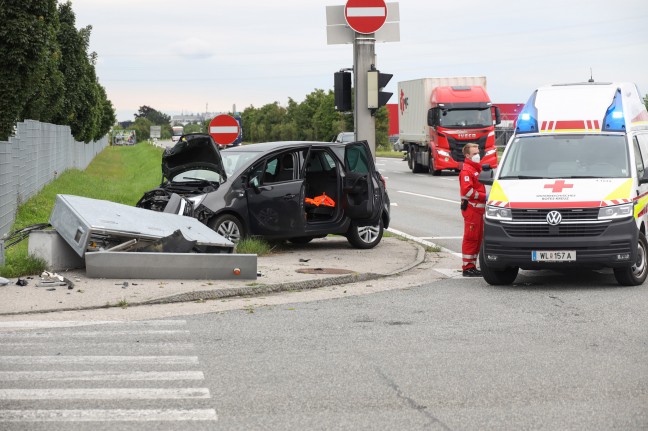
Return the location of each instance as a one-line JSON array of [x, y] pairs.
[[295, 191]]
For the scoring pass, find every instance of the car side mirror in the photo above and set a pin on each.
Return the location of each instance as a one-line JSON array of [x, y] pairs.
[[433, 117], [487, 177], [486, 167], [644, 178]]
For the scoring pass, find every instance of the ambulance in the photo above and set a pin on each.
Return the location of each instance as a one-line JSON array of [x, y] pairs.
[[571, 190]]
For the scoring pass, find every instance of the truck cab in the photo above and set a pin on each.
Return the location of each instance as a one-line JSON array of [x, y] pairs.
[[571, 190], [460, 115]]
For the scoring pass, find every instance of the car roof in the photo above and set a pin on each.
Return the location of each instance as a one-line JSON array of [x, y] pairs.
[[268, 146]]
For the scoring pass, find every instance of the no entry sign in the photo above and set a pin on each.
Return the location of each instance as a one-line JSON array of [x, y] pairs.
[[365, 16], [224, 129]]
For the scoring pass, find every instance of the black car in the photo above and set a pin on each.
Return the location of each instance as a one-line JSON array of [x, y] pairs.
[[276, 190]]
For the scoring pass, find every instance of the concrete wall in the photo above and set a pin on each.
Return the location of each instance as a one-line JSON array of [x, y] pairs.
[[35, 156]]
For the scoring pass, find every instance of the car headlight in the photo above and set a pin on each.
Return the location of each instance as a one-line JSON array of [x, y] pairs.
[[498, 213], [443, 153], [616, 212], [196, 200]]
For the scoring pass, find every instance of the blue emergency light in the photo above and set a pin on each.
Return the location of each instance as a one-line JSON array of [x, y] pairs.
[[614, 120], [527, 121]]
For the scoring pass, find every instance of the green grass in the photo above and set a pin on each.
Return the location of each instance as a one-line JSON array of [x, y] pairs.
[[389, 153], [253, 245], [118, 174]]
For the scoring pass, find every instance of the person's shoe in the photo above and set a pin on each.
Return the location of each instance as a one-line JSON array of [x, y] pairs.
[[472, 272]]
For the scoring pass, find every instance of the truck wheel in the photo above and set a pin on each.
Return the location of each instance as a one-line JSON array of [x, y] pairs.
[[496, 277], [636, 274], [410, 160], [416, 166], [433, 169]]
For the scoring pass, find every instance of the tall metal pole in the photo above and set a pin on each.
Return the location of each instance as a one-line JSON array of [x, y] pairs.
[[364, 55]]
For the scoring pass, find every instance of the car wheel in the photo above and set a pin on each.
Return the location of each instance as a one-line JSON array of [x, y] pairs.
[[228, 226], [365, 237], [496, 277], [636, 274], [301, 240]]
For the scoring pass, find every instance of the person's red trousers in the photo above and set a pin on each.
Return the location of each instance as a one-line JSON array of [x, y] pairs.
[[472, 238]]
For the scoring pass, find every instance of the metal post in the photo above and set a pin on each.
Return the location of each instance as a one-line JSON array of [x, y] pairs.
[[2, 253], [365, 123]]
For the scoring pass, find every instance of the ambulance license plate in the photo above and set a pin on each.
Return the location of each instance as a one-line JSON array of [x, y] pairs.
[[553, 256]]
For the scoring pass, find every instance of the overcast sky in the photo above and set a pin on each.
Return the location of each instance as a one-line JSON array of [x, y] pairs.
[[196, 55]]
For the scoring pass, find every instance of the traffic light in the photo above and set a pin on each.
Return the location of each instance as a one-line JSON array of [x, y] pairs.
[[342, 90], [376, 81]]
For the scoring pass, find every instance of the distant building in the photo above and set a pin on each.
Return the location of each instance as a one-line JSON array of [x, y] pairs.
[[184, 119]]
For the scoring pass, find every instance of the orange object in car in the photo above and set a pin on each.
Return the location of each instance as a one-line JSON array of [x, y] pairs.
[[320, 200]]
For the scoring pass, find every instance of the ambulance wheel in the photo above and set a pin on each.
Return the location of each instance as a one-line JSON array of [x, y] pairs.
[[496, 277], [365, 237], [636, 274], [433, 169]]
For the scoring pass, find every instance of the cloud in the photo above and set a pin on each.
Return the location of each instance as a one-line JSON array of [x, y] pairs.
[[192, 48]]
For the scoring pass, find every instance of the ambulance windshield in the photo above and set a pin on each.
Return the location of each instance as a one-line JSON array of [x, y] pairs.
[[566, 156]]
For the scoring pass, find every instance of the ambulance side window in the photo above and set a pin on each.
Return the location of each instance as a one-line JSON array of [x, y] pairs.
[[638, 159]]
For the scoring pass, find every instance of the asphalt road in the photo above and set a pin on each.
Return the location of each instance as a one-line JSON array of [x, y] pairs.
[[552, 353], [423, 205]]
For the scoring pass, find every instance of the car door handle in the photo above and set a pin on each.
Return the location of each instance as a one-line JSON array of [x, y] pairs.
[[289, 196]]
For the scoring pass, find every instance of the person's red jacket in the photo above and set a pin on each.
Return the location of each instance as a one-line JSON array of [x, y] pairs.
[[469, 186]]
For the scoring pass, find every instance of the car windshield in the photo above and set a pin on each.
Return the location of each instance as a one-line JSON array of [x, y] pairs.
[[458, 118], [566, 156], [234, 160], [197, 175]]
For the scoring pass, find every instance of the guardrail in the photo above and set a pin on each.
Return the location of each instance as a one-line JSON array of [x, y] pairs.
[[35, 156]]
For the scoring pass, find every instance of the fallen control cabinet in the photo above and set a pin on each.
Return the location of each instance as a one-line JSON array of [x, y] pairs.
[[122, 241]]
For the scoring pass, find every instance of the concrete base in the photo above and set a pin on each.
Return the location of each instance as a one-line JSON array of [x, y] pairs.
[[53, 249]]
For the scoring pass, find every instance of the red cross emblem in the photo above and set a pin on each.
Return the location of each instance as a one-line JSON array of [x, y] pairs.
[[558, 186]]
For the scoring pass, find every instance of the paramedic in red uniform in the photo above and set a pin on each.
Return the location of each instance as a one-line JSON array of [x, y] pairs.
[[473, 205]]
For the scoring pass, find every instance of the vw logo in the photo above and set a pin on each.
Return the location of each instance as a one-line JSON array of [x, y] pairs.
[[554, 218]]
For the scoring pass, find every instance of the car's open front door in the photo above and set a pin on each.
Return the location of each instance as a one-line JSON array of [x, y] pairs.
[[361, 187]]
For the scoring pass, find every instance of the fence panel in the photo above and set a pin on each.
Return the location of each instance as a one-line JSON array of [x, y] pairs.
[[34, 157]]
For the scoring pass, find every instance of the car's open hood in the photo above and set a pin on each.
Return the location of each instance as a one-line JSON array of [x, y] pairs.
[[193, 151]]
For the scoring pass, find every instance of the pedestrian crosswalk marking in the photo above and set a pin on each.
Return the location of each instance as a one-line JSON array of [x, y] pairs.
[[104, 394], [107, 415], [98, 359], [100, 375]]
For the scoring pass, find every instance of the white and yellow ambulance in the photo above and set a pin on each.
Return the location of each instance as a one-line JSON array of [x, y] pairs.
[[571, 190]]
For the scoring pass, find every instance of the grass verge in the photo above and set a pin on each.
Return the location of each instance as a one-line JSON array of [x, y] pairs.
[[118, 174]]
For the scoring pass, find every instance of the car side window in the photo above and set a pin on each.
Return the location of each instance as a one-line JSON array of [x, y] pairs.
[[639, 163], [280, 168], [356, 159]]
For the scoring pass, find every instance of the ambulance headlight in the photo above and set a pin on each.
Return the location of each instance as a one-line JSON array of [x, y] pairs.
[[498, 213], [616, 212]]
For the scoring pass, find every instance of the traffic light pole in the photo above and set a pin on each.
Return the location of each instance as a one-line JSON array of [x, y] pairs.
[[363, 59]]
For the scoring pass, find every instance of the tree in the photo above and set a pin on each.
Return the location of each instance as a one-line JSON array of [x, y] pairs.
[[27, 27], [154, 116], [646, 101]]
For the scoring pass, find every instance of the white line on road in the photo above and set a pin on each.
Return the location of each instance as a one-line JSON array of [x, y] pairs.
[[105, 394], [98, 360], [428, 197], [101, 375], [30, 324], [75, 334], [107, 415], [441, 237], [423, 242]]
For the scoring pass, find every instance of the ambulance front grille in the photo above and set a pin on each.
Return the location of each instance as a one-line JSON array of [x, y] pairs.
[[566, 230], [567, 214]]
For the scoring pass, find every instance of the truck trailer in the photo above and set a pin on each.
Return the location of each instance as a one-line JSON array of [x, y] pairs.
[[438, 116]]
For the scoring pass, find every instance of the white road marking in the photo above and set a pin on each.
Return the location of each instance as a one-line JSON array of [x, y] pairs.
[[31, 324], [450, 273], [101, 375], [104, 394], [13, 360], [107, 415], [423, 242], [441, 237], [428, 197], [449, 179], [100, 334]]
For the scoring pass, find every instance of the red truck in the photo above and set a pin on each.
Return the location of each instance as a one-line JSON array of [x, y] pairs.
[[438, 116]]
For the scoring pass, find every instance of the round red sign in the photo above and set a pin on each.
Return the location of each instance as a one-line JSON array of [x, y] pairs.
[[365, 16], [224, 129]]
